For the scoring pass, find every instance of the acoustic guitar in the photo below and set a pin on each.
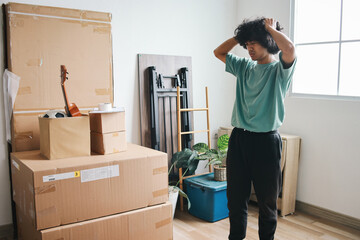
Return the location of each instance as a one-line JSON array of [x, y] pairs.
[[71, 109]]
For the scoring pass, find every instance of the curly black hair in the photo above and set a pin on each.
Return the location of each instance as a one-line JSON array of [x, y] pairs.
[[254, 30]]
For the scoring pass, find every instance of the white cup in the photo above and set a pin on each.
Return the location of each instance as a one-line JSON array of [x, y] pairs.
[[106, 107]]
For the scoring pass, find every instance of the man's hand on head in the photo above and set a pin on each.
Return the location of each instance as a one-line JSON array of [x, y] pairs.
[[270, 23]]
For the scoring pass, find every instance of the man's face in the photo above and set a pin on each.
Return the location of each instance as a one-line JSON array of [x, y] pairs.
[[256, 51]]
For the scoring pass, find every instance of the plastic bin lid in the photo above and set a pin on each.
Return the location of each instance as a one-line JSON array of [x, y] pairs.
[[207, 181]]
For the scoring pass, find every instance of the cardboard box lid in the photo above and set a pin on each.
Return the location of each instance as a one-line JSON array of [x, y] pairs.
[[41, 38]]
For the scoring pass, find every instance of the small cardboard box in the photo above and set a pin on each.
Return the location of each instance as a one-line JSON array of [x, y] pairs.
[[58, 192], [64, 137], [107, 122], [151, 223], [107, 143]]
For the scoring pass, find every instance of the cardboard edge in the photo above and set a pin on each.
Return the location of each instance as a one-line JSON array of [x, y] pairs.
[[59, 12]]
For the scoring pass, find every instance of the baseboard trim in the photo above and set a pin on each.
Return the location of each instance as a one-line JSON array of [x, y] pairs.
[[328, 214], [6, 230]]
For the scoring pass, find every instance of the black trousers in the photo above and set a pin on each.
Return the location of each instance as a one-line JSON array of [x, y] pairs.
[[253, 157]]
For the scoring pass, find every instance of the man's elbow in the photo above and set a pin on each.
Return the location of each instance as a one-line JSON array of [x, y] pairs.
[[289, 50], [219, 55], [216, 53]]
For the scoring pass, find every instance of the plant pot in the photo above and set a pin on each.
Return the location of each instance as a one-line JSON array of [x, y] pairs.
[[173, 196], [219, 172]]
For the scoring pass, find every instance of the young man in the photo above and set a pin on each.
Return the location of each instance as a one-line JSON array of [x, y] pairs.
[[255, 145]]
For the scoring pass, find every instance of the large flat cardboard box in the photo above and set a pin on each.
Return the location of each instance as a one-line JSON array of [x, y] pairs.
[[151, 223], [107, 122], [63, 191], [107, 143], [39, 40], [64, 137]]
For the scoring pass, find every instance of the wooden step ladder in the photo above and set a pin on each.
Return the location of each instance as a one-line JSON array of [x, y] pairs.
[[180, 133]]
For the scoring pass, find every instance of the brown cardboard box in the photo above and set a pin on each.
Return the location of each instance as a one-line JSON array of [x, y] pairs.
[[151, 223], [107, 143], [107, 122], [54, 37], [25, 133], [58, 192], [64, 137]]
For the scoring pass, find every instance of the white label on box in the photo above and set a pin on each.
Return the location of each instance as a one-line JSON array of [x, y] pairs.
[[99, 173], [15, 165], [59, 176]]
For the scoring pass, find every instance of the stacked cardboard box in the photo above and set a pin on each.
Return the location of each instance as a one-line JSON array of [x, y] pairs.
[[108, 133], [57, 194]]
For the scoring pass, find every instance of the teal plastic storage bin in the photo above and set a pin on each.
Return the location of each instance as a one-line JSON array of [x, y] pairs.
[[208, 197]]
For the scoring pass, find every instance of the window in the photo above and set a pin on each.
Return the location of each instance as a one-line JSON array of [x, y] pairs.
[[327, 40]]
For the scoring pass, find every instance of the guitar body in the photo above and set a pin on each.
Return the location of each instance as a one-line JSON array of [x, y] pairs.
[[71, 109], [74, 110]]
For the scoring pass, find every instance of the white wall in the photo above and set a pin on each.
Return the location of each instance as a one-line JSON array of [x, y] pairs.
[[167, 27], [330, 158]]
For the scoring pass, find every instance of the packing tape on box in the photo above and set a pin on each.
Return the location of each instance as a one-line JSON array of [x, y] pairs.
[[102, 91], [163, 223], [107, 107], [102, 29], [34, 62], [24, 90], [45, 189], [24, 135], [160, 192], [160, 170]]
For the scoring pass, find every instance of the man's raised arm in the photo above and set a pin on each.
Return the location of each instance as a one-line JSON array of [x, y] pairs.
[[222, 50], [284, 43]]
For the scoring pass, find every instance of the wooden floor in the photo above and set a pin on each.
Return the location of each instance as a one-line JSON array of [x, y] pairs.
[[293, 227]]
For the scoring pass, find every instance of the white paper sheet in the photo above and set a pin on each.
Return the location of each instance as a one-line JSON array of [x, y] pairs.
[[11, 86]]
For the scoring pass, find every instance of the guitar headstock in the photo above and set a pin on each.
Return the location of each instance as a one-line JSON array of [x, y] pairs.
[[63, 71]]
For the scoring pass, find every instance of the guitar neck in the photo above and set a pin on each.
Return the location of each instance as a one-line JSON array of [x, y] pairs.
[[66, 100]]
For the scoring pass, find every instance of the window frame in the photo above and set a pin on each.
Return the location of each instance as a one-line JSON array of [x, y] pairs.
[[340, 41]]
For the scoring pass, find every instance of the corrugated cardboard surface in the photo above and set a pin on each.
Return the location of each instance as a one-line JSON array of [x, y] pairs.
[[107, 122], [58, 192], [64, 137], [107, 143], [151, 223], [25, 131], [39, 40]]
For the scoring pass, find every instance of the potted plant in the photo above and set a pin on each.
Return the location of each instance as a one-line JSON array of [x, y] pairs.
[[217, 158], [188, 160], [184, 159]]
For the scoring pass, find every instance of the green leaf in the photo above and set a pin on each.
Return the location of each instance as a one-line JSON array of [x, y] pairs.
[[201, 148], [183, 158], [183, 194], [193, 166], [223, 142], [215, 161]]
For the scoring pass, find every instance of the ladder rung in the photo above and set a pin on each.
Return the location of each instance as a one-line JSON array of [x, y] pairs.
[[198, 131], [193, 109]]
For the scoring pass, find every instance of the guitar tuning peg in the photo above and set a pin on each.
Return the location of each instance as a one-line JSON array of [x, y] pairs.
[[67, 78], [67, 72]]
